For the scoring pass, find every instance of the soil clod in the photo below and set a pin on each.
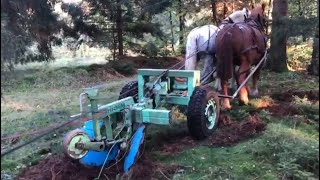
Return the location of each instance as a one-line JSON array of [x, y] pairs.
[[237, 131]]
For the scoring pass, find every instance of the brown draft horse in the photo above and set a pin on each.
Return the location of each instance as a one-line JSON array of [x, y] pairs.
[[242, 44]]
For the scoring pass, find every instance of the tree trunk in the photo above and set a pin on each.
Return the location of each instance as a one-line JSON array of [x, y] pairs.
[[114, 46], [232, 6], [225, 10], [314, 66], [214, 12], [268, 16], [181, 23], [278, 49], [114, 38], [172, 34], [300, 8], [119, 28]]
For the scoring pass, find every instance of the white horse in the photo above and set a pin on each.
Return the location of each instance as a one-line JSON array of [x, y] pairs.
[[201, 45]]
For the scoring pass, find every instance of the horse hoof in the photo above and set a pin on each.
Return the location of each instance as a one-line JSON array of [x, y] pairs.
[[226, 106], [254, 93], [242, 102]]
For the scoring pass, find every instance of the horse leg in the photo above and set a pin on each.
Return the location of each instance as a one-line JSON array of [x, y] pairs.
[[242, 76], [217, 84], [191, 54], [234, 83], [255, 78], [225, 101], [207, 72], [190, 57], [191, 63]]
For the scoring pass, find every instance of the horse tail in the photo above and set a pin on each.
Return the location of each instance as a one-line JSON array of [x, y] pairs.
[[225, 64]]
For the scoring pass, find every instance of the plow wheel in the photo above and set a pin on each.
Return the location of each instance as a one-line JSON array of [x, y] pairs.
[[88, 158], [69, 144], [203, 112]]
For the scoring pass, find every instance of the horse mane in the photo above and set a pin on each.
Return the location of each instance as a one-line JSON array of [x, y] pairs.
[[254, 23], [256, 15]]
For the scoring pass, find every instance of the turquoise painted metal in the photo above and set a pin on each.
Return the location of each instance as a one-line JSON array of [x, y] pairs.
[[169, 90], [111, 126]]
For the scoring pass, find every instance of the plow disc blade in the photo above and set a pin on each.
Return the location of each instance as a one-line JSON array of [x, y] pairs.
[[136, 142]]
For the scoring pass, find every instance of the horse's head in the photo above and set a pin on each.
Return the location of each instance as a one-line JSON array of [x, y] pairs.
[[258, 15], [239, 16]]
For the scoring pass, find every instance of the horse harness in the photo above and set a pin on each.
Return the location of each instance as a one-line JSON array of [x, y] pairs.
[[254, 36], [254, 46]]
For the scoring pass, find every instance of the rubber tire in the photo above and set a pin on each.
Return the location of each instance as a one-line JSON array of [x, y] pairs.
[[132, 89], [196, 119]]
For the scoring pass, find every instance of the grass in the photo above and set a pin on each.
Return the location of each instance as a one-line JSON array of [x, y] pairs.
[[299, 55], [293, 151], [288, 148], [223, 163], [283, 151]]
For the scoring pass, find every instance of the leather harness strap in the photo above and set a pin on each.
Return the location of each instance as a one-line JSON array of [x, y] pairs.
[[254, 36], [208, 41], [255, 46]]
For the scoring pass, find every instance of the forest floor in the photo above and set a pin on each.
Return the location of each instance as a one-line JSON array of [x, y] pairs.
[[276, 136]]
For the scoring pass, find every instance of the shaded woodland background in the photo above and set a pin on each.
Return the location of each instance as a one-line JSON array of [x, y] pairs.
[[51, 49], [148, 27]]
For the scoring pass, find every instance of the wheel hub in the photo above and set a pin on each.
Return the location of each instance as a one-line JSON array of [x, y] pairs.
[[211, 113], [71, 142]]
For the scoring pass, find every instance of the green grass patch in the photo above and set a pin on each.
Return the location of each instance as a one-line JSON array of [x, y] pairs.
[[223, 163], [307, 108], [294, 152], [299, 55], [280, 82], [281, 151]]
